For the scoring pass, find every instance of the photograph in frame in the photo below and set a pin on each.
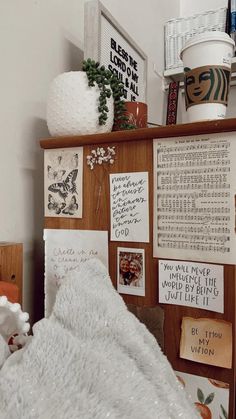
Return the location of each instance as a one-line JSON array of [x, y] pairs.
[[130, 271]]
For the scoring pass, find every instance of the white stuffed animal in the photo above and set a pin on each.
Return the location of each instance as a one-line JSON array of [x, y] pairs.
[[4, 351], [13, 324]]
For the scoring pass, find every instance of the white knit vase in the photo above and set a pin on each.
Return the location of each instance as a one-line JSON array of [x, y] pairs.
[[72, 107]]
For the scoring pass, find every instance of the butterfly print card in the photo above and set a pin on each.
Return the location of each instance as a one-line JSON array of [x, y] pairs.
[[63, 170]]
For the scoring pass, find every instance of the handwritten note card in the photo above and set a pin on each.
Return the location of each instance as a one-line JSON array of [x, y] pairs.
[[208, 341], [129, 207], [65, 250], [191, 284]]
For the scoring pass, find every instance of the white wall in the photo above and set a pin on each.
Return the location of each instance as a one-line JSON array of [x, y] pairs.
[[189, 7], [38, 40]]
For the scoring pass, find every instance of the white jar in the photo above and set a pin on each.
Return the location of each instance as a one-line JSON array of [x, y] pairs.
[[72, 107]]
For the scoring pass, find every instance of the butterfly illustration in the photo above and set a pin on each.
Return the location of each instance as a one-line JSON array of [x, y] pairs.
[[55, 174], [54, 205], [72, 207], [65, 186]]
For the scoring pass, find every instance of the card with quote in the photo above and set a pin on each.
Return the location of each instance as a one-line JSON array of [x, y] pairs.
[[65, 250], [208, 341], [191, 284], [129, 207]]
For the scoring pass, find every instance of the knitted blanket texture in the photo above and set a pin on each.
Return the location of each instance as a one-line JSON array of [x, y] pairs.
[[91, 359]]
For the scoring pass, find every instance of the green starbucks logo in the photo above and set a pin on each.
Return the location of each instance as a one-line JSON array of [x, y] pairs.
[[208, 84]]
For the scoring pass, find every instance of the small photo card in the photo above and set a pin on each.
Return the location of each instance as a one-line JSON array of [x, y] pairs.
[[63, 169], [130, 271]]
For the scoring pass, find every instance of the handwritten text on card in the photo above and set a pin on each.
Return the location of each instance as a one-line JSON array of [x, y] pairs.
[[129, 207], [208, 341], [65, 250], [191, 284]]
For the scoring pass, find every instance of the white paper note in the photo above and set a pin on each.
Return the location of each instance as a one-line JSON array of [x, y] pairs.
[[191, 284], [65, 250], [129, 207]]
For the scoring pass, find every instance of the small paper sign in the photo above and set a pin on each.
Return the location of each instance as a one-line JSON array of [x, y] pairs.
[[191, 284], [208, 341], [65, 251], [129, 207]]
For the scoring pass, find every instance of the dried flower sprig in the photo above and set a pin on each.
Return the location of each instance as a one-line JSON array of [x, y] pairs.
[[100, 156]]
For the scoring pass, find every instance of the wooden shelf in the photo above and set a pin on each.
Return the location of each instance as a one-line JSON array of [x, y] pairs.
[[202, 127], [177, 74]]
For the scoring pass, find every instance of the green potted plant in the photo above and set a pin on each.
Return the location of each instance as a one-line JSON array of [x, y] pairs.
[[83, 102], [109, 85]]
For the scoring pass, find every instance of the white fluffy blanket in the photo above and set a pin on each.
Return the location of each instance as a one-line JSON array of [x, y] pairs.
[[91, 359]]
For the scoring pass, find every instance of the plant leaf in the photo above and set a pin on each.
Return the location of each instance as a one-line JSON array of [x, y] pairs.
[[200, 395], [224, 412], [209, 398]]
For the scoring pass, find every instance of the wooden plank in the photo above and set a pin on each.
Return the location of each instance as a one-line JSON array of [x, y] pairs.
[[204, 127], [11, 265]]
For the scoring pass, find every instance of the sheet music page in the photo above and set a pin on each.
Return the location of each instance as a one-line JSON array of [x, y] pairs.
[[194, 198]]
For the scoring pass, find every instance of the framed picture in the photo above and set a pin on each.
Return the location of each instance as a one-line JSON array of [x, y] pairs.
[[108, 43], [63, 182], [130, 271]]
